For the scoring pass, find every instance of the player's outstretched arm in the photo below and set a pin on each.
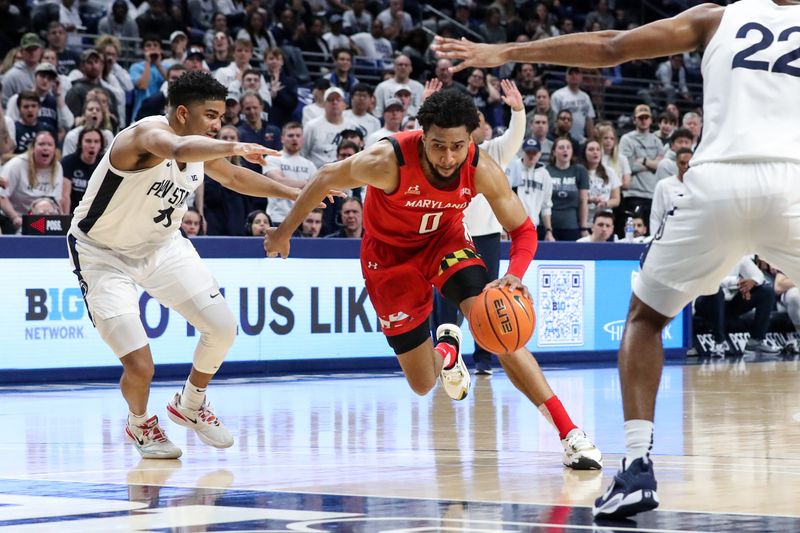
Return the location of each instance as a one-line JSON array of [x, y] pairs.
[[372, 166], [161, 142], [685, 32], [245, 181]]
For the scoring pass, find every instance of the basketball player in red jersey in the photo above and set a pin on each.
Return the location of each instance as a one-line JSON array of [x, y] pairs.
[[419, 184]]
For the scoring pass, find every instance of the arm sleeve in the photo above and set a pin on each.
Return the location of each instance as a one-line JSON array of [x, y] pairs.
[[508, 144], [524, 241]]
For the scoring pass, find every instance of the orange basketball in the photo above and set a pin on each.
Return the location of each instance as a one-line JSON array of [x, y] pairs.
[[502, 320]]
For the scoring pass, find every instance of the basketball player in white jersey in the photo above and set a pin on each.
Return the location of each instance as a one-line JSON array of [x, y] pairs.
[[742, 189], [126, 233]]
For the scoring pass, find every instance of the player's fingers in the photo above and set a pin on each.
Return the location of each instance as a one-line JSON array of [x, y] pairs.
[[525, 292]]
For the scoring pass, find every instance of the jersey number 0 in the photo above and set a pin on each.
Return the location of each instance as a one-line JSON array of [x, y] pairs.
[[429, 222]]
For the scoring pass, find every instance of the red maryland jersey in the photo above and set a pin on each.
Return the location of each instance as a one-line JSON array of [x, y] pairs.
[[417, 211]]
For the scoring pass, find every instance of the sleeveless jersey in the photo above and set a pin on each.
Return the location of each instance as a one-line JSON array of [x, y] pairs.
[[416, 210], [135, 212], [751, 85]]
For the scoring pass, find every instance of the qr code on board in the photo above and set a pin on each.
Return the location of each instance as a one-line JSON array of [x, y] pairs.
[[560, 319]]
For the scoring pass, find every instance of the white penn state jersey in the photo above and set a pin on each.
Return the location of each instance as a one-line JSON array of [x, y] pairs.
[[135, 212], [751, 85]]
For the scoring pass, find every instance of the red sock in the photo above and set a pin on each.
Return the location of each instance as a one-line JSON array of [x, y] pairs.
[[448, 352], [560, 417]]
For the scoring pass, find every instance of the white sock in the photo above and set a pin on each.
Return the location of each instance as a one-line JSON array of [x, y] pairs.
[[192, 396], [137, 420], [638, 439]]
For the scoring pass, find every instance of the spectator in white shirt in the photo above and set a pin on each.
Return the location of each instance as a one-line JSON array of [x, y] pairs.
[[668, 189]]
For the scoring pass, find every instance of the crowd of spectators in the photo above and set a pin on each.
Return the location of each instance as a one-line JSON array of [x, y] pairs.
[[321, 79]]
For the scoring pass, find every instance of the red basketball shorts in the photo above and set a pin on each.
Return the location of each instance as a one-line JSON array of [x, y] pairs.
[[399, 280]]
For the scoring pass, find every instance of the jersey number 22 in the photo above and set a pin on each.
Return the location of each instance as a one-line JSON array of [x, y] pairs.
[[781, 65]]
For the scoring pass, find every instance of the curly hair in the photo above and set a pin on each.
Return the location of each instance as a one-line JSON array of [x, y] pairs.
[[448, 109], [195, 87]]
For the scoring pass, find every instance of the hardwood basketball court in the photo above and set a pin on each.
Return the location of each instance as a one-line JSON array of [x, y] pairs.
[[364, 453]]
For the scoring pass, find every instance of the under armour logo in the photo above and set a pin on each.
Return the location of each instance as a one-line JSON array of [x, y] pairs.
[[165, 215], [194, 177], [372, 266]]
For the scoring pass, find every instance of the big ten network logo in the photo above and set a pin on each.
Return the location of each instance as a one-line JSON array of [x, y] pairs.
[[54, 305], [616, 328], [502, 314]]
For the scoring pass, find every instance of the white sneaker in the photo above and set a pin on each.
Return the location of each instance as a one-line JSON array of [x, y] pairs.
[[580, 453], [203, 421], [151, 441], [761, 347], [455, 380]]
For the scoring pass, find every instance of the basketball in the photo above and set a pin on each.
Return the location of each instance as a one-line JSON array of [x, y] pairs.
[[502, 320]]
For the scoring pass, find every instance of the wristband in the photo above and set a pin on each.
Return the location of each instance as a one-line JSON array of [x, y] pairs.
[[548, 230], [524, 241]]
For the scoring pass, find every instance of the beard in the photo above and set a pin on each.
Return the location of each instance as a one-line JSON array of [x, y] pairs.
[[436, 175]]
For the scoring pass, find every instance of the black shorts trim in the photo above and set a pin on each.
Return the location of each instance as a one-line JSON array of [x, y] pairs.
[[466, 283], [73, 250], [405, 342]]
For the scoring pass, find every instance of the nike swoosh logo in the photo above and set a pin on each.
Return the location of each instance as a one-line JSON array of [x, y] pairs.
[[214, 295], [518, 299], [137, 439]]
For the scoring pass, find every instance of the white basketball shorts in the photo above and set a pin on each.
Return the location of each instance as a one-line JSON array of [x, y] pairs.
[[729, 210], [173, 274]]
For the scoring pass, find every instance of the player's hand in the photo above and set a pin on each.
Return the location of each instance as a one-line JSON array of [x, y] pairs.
[[275, 245], [433, 85], [511, 95], [3, 182], [512, 282], [471, 54], [255, 153]]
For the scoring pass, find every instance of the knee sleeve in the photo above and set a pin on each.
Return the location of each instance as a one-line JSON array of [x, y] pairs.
[[405, 342], [122, 333], [217, 327]]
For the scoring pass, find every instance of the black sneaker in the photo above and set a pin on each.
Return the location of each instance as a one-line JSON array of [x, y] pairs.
[[632, 491]]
